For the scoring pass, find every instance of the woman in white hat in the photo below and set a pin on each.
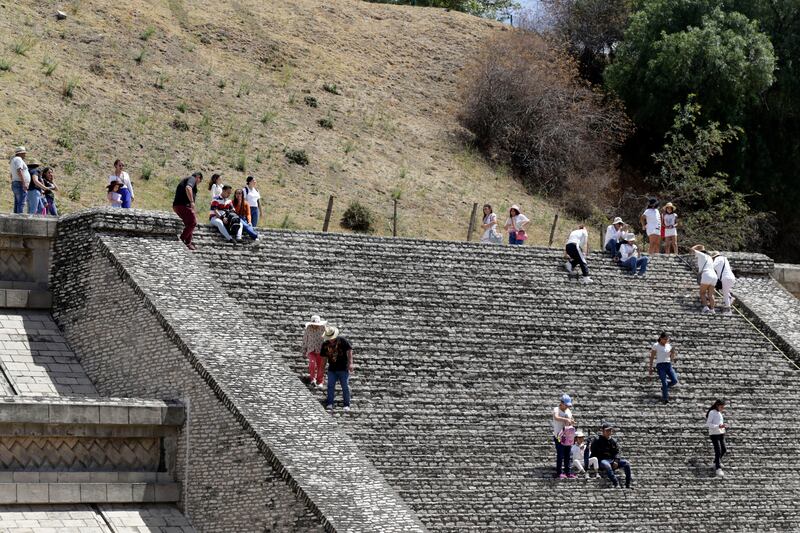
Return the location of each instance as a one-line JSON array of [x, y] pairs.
[[726, 280], [669, 225], [708, 278], [614, 236], [516, 226], [312, 343]]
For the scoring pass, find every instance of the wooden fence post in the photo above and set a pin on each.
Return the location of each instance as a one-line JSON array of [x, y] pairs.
[[472, 221], [602, 235], [394, 220], [328, 214], [553, 230]]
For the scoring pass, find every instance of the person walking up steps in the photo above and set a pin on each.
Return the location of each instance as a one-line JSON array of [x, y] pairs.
[[312, 349], [715, 423], [563, 437], [725, 280], [708, 278], [339, 353], [577, 248], [664, 354]]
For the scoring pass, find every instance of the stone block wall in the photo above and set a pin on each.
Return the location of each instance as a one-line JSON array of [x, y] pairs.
[[788, 276], [25, 243]]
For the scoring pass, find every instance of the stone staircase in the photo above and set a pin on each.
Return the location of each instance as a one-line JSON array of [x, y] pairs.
[[462, 351]]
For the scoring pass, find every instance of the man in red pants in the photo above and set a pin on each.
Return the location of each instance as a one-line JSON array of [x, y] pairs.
[[183, 205]]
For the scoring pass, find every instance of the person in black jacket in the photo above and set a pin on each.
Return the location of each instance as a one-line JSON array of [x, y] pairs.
[[606, 449]]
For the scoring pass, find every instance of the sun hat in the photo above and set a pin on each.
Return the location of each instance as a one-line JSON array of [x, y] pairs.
[[20, 150], [629, 236], [317, 321], [714, 254], [515, 206], [566, 400], [579, 433], [617, 220], [34, 163], [330, 333], [669, 204]]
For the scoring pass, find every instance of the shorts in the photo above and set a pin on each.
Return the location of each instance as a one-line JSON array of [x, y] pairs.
[[670, 232], [708, 279]]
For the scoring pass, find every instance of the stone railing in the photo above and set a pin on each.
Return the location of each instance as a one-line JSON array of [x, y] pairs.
[[25, 244]]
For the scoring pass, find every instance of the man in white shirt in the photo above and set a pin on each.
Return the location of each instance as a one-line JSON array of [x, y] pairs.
[[613, 236], [629, 256], [577, 246], [20, 179], [664, 355]]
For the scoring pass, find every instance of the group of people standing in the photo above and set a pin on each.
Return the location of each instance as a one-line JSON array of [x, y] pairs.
[[33, 186], [323, 346]]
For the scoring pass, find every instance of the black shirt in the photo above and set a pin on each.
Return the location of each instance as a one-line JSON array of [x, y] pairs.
[[605, 449], [336, 352], [181, 198]]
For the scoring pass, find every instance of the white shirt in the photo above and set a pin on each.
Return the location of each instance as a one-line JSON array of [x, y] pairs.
[[576, 453], [252, 196], [216, 190], [18, 163], [612, 234], [124, 179], [723, 268], [713, 421], [705, 265], [662, 352], [517, 222], [491, 231], [627, 251], [558, 426], [653, 221], [579, 237]]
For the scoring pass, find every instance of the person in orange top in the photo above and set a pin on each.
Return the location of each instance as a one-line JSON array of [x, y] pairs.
[[242, 208]]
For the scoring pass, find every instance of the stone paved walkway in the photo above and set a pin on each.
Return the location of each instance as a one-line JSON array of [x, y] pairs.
[[92, 519], [36, 359]]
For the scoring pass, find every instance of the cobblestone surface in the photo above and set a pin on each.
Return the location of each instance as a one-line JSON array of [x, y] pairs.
[[36, 359], [774, 307], [91, 519]]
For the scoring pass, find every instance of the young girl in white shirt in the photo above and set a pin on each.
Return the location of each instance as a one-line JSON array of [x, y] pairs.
[[489, 226], [670, 223], [715, 423]]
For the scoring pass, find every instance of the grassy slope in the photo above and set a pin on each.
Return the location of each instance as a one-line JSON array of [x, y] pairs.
[[243, 69]]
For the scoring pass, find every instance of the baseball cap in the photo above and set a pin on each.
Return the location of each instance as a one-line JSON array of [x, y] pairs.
[[566, 400]]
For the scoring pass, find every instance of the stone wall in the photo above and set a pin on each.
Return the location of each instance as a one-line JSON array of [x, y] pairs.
[[25, 243], [147, 320], [789, 276]]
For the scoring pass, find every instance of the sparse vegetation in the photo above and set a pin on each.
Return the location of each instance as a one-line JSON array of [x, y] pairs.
[[5, 65], [139, 57], [311, 101], [179, 124], [49, 66], [287, 223], [240, 163], [23, 45], [349, 146], [287, 72], [147, 171], [221, 83], [268, 117], [147, 33], [160, 81], [244, 90], [326, 122], [298, 157], [358, 218], [182, 107], [69, 86], [331, 88], [74, 192]]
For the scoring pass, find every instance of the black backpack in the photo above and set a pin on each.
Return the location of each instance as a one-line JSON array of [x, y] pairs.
[[232, 222]]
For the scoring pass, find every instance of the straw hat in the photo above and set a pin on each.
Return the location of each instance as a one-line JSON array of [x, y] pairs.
[[617, 220], [714, 254], [330, 333], [20, 150], [516, 207], [669, 204], [317, 321], [579, 433]]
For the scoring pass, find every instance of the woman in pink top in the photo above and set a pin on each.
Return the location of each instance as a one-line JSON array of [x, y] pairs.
[[312, 344]]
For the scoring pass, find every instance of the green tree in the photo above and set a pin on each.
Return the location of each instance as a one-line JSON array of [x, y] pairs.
[[482, 8], [711, 212], [676, 47]]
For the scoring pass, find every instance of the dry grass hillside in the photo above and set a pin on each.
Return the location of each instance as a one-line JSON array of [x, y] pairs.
[[171, 86]]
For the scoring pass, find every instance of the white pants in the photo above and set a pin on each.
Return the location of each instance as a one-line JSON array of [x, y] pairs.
[[727, 285], [577, 465], [217, 223]]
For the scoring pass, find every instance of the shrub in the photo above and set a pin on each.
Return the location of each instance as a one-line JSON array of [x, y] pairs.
[[311, 101], [268, 117], [221, 84], [526, 107], [331, 88], [241, 163], [160, 81], [139, 57], [147, 33], [182, 107], [23, 46], [326, 123], [49, 66], [179, 124], [68, 89], [5, 65], [298, 157], [357, 218], [147, 171], [244, 90], [74, 193]]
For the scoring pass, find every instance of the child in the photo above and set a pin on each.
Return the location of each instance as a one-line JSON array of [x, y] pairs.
[[114, 196], [715, 422], [580, 455]]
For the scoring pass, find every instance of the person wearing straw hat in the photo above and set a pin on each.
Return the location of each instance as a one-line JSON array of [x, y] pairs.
[[650, 221], [516, 226], [708, 278], [725, 280], [629, 256], [614, 236], [339, 353], [20, 178], [312, 348], [669, 221]]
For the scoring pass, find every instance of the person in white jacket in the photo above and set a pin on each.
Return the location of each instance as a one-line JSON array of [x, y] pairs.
[[580, 456], [725, 275], [715, 423]]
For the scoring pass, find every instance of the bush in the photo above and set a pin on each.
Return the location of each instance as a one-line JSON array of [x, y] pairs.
[[147, 171], [49, 66], [311, 101], [331, 88], [357, 218], [5, 65], [298, 157], [147, 33], [179, 124], [326, 123], [68, 89], [526, 107]]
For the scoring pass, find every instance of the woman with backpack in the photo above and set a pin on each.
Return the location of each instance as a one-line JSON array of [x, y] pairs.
[[489, 227], [715, 423], [563, 436], [725, 280], [708, 278]]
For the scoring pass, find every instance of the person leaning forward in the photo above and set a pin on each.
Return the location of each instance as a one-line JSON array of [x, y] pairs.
[[184, 206], [339, 353]]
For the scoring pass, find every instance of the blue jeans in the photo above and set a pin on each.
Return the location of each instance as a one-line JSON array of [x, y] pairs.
[[19, 196], [126, 197], [605, 464], [562, 457], [665, 371], [51, 206], [247, 228], [612, 247], [343, 377], [634, 263], [512, 239], [254, 216], [34, 195]]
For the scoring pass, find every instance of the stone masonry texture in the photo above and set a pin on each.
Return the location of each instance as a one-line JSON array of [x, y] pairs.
[[462, 351], [258, 453]]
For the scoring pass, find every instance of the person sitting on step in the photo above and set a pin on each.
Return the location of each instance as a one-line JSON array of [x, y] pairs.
[[577, 249], [242, 208], [606, 450], [630, 258], [222, 215], [614, 234], [581, 456]]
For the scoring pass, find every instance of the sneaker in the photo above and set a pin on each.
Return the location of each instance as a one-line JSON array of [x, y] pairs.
[[720, 473], [346, 408], [712, 311], [586, 475], [615, 484], [568, 266], [571, 476], [191, 246], [706, 309], [635, 275], [586, 280], [562, 476], [642, 276], [320, 386], [330, 408]]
